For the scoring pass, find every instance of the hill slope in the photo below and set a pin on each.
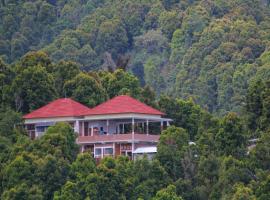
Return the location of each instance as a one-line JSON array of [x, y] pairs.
[[208, 50]]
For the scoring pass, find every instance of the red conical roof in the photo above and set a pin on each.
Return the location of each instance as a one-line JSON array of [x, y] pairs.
[[64, 107], [123, 104]]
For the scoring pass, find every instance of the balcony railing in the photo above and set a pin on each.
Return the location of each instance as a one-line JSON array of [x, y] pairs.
[[129, 137]]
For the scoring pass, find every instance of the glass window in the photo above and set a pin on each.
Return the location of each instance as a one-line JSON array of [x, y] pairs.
[[98, 151], [41, 129], [30, 127], [108, 151]]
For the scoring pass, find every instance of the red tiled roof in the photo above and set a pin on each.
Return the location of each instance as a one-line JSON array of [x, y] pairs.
[[64, 107], [123, 104]]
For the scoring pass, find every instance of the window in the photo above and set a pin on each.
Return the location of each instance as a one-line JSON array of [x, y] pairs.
[[41, 129], [108, 151], [30, 127], [87, 130], [98, 152]]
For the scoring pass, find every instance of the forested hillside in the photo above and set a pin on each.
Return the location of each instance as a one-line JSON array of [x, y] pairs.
[[209, 50], [206, 64]]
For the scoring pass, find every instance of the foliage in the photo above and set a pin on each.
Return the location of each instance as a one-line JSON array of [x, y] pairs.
[[209, 51], [230, 139], [32, 88], [200, 62], [170, 150], [63, 72], [85, 89], [185, 114], [242, 193], [167, 194], [260, 154], [258, 105], [262, 192], [231, 171]]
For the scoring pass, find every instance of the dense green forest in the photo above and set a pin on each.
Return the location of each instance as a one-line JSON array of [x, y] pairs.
[[205, 63], [208, 50]]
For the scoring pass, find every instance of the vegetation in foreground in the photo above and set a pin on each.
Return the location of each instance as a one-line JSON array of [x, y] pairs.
[[219, 166]]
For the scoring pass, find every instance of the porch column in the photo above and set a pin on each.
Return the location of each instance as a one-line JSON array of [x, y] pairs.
[[107, 124], [161, 125], [168, 123], [92, 130], [83, 134], [133, 146], [76, 126], [102, 152], [82, 149], [36, 134], [147, 127], [123, 128], [133, 124]]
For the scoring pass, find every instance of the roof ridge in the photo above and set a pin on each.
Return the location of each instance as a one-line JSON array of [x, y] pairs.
[[128, 105], [67, 107], [62, 107]]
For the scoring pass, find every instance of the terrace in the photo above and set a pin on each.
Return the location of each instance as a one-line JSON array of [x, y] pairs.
[[121, 130]]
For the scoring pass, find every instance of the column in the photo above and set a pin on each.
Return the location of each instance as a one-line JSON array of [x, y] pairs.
[[114, 150], [133, 124], [107, 123], [123, 128], [161, 125], [83, 134], [82, 149], [92, 130], [36, 134], [76, 126], [147, 127], [168, 123], [133, 137], [102, 152]]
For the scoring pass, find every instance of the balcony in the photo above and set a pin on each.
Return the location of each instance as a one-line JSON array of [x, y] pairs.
[[121, 138]]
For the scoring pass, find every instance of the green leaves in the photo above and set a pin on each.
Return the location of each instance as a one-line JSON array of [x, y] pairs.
[[243, 193], [111, 37], [45, 162], [85, 89], [170, 150], [167, 194], [231, 139], [33, 88], [257, 106], [260, 155], [169, 21]]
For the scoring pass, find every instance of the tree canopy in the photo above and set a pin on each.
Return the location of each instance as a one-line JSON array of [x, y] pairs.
[[206, 64], [209, 51]]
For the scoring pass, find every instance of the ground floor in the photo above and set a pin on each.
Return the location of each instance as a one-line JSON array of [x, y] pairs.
[[114, 149]]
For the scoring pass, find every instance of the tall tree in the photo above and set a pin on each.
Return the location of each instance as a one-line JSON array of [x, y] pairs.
[[85, 89], [167, 194], [63, 72], [33, 87], [231, 139], [171, 146]]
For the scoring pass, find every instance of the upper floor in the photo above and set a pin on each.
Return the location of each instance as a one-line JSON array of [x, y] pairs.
[[122, 118]]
